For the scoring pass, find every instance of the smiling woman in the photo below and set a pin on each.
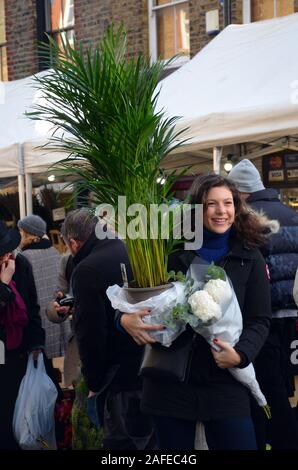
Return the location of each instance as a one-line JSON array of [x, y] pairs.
[[211, 395], [219, 214]]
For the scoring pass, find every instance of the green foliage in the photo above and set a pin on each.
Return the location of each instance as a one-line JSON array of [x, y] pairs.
[[114, 137], [85, 435], [215, 272], [179, 276]]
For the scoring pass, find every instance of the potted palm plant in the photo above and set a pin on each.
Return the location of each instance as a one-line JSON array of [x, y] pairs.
[[105, 103]]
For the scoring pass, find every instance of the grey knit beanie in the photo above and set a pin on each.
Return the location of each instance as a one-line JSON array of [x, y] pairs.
[[246, 177], [33, 224]]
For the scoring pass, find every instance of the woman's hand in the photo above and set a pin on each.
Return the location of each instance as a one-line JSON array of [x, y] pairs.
[[227, 357], [7, 271], [134, 325]]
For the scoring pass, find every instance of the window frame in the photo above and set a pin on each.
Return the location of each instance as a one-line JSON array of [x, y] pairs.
[[153, 43], [247, 11], [3, 74], [48, 21]]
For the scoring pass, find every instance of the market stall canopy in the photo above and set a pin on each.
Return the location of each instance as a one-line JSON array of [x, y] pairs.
[[241, 87], [20, 134]]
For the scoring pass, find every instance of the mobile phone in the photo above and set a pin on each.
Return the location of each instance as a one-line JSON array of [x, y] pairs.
[[66, 302]]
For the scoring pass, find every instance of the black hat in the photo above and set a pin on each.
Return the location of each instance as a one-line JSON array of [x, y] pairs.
[[9, 239]]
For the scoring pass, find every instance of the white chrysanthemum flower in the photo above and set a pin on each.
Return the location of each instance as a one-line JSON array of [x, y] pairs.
[[203, 306], [219, 290]]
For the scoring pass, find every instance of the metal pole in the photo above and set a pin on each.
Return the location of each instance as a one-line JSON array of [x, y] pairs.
[[28, 180], [22, 204], [21, 182], [217, 153]]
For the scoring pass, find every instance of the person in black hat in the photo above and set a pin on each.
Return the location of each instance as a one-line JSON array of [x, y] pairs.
[[20, 328]]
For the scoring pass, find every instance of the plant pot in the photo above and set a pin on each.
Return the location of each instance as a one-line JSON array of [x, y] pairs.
[[139, 294]]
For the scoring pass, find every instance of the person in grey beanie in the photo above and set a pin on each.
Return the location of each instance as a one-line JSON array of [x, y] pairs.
[[45, 261], [33, 225], [246, 177], [274, 370]]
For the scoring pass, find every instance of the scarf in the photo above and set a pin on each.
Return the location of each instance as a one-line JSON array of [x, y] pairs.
[[14, 318], [215, 245]]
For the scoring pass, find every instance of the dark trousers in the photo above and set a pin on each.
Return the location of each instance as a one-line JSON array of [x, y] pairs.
[[222, 434], [11, 374]]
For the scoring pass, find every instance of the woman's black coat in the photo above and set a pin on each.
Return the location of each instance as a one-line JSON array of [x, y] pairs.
[[211, 392]]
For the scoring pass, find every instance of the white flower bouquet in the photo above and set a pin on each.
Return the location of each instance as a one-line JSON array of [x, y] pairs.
[[212, 310]]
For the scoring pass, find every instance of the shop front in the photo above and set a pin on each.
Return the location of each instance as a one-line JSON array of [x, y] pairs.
[[280, 171]]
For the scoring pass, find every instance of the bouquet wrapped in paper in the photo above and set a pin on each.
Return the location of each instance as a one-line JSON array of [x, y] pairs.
[[212, 310], [161, 307]]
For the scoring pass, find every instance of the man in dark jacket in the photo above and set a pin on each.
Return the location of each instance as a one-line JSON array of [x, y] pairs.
[[273, 365], [110, 360]]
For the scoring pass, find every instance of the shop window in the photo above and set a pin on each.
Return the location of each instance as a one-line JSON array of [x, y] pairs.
[[267, 9], [169, 29], [60, 20], [3, 50]]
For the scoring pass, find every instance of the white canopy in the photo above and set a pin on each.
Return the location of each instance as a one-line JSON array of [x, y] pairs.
[[243, 86], [21, 139], [20, 136]]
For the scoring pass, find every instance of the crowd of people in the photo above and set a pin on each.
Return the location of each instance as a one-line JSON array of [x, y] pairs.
[[248, 232]]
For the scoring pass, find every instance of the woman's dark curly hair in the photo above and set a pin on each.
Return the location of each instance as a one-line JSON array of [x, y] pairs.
[[248, 227]]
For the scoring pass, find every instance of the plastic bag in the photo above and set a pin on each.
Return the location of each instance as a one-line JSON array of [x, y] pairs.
[[161, 306], [33, 419]]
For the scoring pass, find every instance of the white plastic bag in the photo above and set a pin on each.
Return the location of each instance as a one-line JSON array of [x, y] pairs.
[[161, 305], [33, 419]]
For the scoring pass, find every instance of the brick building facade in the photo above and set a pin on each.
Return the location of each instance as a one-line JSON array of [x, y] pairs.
[[25, 24]]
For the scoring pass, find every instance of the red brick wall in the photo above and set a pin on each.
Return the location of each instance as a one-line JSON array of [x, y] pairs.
[[21, 38], [92, 17], [198, 9]]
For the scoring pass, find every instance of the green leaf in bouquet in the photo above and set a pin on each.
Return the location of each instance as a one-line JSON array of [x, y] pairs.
[[179, 276], [179, 311], [215, 272]]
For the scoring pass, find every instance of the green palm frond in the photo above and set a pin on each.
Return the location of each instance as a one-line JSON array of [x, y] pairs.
[[114, 138]]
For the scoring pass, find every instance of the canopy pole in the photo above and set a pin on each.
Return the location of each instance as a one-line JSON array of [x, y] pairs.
[[22, 204], [217, 153], [21, 182], [29, 204]]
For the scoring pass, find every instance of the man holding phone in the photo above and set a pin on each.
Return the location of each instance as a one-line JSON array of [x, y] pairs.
[[110, 359]]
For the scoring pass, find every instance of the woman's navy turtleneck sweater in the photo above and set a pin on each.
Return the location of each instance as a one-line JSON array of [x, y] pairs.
[[215, 245]]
